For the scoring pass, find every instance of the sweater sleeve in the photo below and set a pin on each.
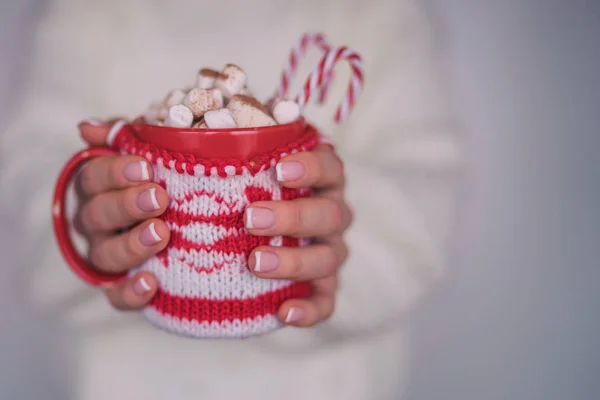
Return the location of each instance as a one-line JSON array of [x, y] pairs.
[[39, 134], [402, 152]]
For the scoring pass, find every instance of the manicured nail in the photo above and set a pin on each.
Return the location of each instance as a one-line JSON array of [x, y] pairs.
[[141, 287], [294, 315], [93, 121], [289, 171], [259, 218], [148, 236], [265, 261], [136, 171], [146, 201]]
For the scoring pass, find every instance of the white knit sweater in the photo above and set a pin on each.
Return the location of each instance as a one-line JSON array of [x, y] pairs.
[[111, 57]]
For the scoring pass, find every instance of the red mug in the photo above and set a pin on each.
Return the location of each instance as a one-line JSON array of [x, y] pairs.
[[205, 287]]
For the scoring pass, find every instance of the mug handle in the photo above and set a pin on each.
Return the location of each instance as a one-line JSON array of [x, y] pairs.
[[61, 226]]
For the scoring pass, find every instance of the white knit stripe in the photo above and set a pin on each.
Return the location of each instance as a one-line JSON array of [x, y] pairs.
[[225, 329], [230, 188], [209, 205], [203, 258], [232, 281], [206, 233]]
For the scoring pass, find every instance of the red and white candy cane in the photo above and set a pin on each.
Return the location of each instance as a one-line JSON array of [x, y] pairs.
[[299, 51], [323, 72]]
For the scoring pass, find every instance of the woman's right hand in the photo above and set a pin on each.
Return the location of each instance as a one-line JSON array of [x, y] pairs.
[[117, 193]]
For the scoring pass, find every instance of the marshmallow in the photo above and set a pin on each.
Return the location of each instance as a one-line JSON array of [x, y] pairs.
[[179, 116], [219, 119], [227, 100], [218, 96], [163, 111], [286, 111], [174, 97], [231, 80], [203, 100], [248, 112], [206, 78]]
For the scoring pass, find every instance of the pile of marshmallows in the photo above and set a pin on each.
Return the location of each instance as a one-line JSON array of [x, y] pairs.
[[220, 100]]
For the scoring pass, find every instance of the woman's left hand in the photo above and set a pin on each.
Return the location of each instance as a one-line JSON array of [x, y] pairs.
[[324, 218]]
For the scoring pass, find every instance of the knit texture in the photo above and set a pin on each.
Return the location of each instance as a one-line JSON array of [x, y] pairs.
[[205, 287]]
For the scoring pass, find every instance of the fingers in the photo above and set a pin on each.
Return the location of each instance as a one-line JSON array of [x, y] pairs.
[[114, 210], [109, 173], [319, 168], [119, 253], [303, 217], [95, 131], [133, 293], [298, 263], [317, 308]]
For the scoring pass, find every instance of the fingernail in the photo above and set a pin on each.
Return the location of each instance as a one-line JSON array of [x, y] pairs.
[[294, 315], [289, 171], [146, 201], [93, 121], [141, 287], [265, 261], [149, 236], [136, 171], [259, 218]]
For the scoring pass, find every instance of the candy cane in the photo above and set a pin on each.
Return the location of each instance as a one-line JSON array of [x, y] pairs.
[[308, 39], [324, 89], [319, 77]]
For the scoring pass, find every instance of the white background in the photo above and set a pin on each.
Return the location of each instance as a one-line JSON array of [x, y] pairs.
[[520, 316]]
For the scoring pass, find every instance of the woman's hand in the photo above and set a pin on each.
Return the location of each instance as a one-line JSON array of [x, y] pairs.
[[116, 193], [324, 218]]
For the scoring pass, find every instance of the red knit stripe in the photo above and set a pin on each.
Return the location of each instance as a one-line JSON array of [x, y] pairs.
[[217, 198], [239, 244], [200, 309], [182, 218]]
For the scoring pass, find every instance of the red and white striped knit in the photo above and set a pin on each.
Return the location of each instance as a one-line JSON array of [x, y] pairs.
[[205, 287]]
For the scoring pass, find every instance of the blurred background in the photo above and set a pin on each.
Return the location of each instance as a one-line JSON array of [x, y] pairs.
[[518, 317]]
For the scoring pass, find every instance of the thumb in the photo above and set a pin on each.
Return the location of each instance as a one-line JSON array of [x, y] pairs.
[[94, 131], [134, 293]]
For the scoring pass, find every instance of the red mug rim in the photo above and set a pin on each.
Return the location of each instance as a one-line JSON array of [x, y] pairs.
[[244, 143]]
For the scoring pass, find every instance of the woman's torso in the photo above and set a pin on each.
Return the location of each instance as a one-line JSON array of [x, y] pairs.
[[112, 58]]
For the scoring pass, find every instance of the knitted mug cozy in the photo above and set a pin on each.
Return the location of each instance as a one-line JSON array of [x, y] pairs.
[[205, 287]]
